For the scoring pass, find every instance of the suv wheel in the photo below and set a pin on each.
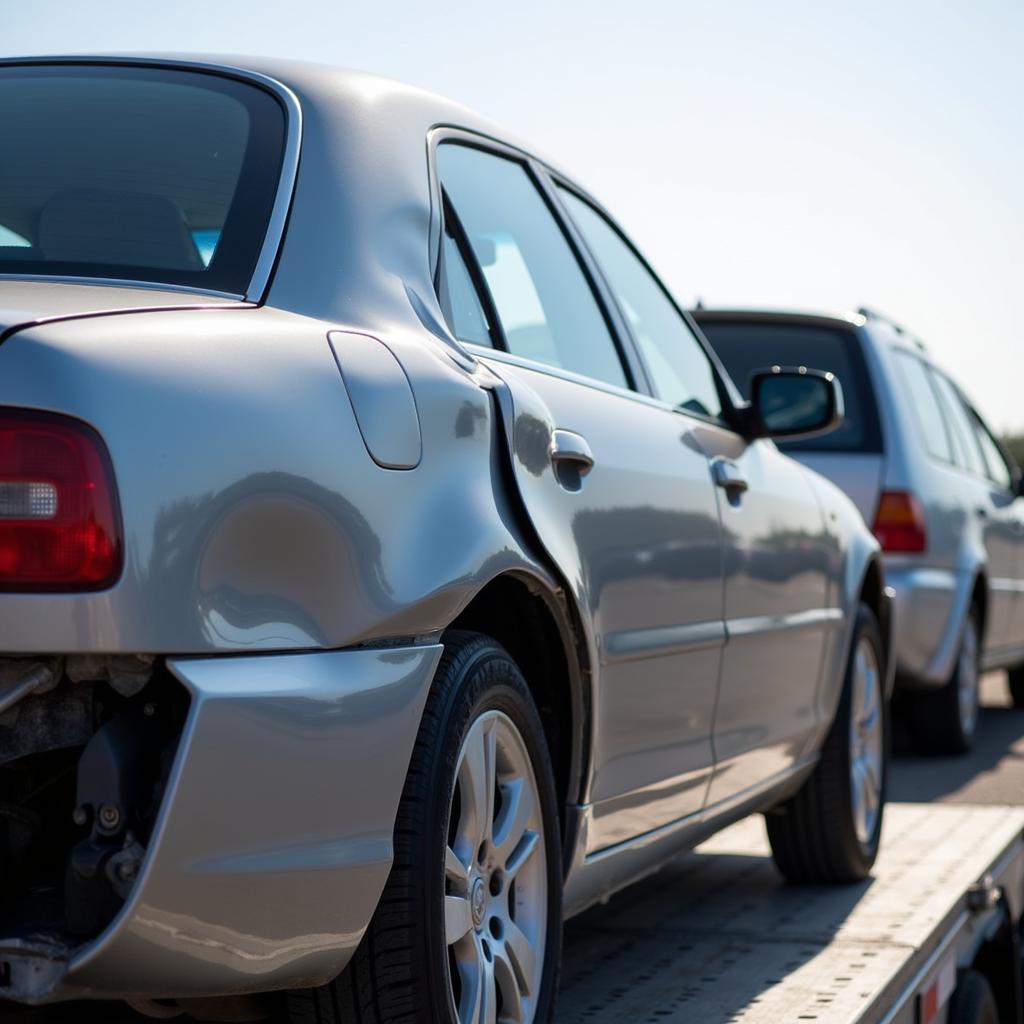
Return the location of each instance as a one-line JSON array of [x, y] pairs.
[[944, 721], [830, 830], [469, 926]]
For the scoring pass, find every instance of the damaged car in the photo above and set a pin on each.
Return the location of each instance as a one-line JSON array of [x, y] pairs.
[[388, 569]]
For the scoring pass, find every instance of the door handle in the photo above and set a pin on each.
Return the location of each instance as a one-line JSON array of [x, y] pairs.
[[571, 458], [727, 475]]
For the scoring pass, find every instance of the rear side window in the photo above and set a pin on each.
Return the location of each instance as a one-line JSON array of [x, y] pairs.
[[136, 173], [998, 470], [919, 394], [968, 454], [546, 306], [457, 294], [679, 367], [747, 346]]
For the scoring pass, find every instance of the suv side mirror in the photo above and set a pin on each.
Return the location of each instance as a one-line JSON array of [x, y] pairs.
[[794, 402]]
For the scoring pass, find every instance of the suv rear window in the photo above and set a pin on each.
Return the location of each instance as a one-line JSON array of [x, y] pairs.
[[136, 173], [745, 346]]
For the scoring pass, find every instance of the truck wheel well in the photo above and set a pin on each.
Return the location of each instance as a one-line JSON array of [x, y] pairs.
[[523, 620], [998, 961]]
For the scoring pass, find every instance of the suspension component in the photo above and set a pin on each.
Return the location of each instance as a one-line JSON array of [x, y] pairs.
[[116, 778]]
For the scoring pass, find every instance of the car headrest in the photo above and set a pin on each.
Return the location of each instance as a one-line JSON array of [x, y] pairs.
[[129, 228]]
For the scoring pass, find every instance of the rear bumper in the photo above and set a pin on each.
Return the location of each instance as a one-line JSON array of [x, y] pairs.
[[930, 609], [274, 840]]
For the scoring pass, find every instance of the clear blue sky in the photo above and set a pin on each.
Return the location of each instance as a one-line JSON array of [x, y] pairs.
[[808, 154]]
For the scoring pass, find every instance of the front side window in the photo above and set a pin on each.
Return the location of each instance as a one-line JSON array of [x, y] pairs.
[[546, 306], [136, 173], [680, 370], [919, 394]]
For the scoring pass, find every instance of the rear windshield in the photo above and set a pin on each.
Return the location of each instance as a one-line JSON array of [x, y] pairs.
[[136, 173], [744, 347]]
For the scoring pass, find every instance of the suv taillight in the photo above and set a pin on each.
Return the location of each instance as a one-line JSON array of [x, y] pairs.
[[899, 523], [59, 521]]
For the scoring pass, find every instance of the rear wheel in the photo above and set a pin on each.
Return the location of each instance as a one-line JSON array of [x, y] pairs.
[[944, 721], [469, 926], [829, 831]]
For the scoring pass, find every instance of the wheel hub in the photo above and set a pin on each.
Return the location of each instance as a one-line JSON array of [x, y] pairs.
[[478, 903]]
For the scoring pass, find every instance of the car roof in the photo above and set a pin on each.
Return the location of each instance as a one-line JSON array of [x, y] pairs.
[[749, 314], [362, 226], [357, 90], [881, 328]]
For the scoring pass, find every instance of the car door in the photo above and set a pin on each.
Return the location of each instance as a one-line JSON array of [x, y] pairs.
[[1002, 514], [617, 488], [780, 610]]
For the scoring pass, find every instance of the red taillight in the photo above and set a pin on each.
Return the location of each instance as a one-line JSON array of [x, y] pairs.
[[59, 524], [899, 524]]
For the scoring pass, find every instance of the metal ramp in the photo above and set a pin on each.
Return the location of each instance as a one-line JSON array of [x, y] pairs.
[[717, 937]]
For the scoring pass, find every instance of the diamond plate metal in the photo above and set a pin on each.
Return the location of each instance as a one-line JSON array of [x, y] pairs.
[[716, 936]]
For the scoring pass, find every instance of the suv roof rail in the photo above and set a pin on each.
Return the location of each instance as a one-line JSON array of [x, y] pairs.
[[874, 314]]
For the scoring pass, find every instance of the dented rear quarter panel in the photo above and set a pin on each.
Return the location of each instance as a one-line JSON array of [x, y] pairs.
[[254, 516]]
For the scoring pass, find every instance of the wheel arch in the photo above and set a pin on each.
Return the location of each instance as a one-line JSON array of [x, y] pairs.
[[533, 620], [874, 593]]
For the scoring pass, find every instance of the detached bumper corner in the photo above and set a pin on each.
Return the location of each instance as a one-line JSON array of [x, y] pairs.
[[275, 836]]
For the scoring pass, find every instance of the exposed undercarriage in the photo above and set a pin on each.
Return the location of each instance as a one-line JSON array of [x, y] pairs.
[[86, 747]]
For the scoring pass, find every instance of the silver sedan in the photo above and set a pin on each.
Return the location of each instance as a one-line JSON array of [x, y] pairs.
[[387, 568]]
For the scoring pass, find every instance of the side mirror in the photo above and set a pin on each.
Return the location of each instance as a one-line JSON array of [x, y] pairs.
[[794, 402]]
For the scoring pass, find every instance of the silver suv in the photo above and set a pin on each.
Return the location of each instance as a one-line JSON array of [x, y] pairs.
[[942, 494]]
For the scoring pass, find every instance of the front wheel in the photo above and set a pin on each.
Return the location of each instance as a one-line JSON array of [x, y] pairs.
[[469, 926], [830, 830]]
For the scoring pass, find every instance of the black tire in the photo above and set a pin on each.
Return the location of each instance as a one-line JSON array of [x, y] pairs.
[[400, 973], [813, 835], [973, 1001], [1015, 677], [937, 722]]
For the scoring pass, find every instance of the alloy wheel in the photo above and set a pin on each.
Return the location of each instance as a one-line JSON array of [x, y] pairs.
[[496, 896], [866, 741], [967, 678]]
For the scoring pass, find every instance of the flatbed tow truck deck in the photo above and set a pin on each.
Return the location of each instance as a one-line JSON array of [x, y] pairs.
[[718, 937]]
